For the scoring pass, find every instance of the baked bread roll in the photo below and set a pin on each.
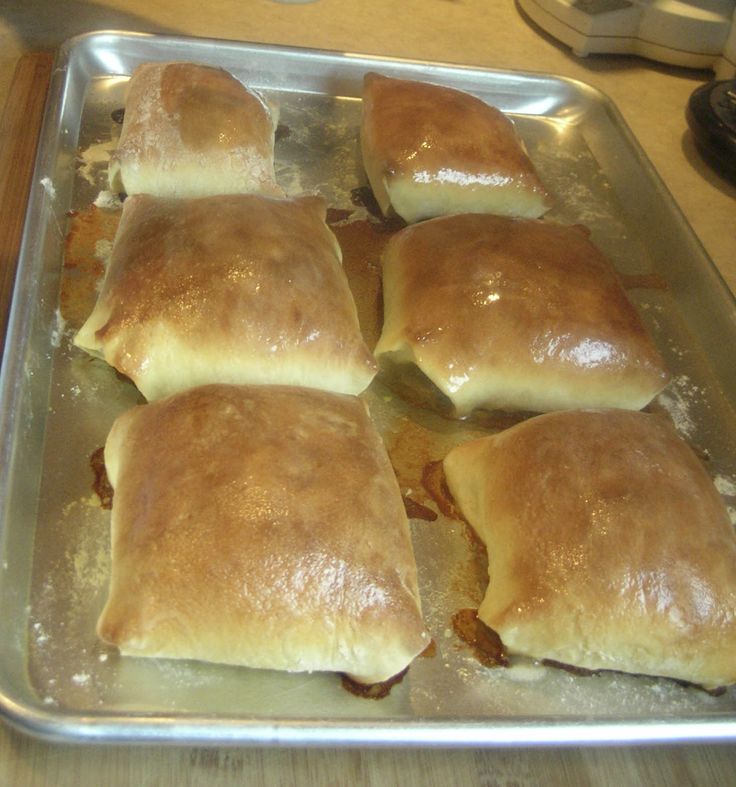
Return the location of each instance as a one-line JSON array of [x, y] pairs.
[[430, 150], [609, 546], [514, 314], [263, 527], [235, 289], [191, 131]]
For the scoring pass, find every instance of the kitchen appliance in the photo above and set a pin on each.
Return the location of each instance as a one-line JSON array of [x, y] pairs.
[[693, 34]]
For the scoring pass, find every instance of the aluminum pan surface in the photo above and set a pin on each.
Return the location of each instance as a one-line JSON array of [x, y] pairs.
[[59, 682]]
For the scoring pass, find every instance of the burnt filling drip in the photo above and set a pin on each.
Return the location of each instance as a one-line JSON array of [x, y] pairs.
[[101, 484], [372, 691]]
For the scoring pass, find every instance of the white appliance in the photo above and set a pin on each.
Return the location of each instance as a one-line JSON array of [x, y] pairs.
[[695, 34]]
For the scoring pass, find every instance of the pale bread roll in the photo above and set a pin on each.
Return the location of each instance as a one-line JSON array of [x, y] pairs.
[[191, 131], [430, 150], [262, 527], [514, 314], [609, 546], [234, 289]]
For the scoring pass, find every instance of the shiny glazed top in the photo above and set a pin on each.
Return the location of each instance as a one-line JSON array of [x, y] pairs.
[[438, 134], [262, 526], [478, 294], [225, 279], [608, 544]]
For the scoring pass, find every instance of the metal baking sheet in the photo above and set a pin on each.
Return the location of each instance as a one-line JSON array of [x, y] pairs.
[[58, 681]]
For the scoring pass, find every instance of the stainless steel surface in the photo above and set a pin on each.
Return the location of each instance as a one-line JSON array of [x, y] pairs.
[[58, 681]]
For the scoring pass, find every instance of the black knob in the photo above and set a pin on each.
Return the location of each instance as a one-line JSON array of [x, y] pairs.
[[711, 115]]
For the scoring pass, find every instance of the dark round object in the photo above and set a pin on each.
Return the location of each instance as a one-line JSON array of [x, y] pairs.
[[711, 115]]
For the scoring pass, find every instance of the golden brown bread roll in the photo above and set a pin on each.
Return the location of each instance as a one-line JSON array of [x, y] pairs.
[[514, 314], [192, 130], [430, 150], [608, 545], [264, 527], [235, 288]]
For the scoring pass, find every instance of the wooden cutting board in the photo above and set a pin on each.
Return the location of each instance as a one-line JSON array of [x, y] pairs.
[[20, 126]]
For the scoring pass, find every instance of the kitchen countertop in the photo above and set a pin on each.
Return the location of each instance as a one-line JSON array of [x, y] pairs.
[[652, 99]]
